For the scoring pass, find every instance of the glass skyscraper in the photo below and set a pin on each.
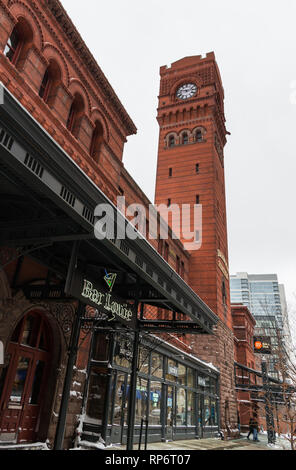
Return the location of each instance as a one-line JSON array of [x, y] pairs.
[[265, 298]]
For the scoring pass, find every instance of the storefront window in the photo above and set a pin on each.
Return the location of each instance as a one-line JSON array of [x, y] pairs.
[[214, 386], [172, 370], [214, 414], [141, 400], [181, 374], [123, 352], [207, 411], [156, 365], [191, 412], [96, 397], [155, 403], [190, 377], [181, 407], [143, 363], [201, 383]]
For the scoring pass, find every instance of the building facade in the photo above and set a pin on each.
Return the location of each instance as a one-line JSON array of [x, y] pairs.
[[68, 371]]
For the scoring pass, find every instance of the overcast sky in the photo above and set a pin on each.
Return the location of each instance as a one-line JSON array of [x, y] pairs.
[[255, 47]]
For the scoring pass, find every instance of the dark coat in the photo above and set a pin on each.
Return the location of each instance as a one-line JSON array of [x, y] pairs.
[[253, 424]]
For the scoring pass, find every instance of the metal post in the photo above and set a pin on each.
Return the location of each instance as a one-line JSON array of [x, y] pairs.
[[268, 409], [132, 394], [60, 431], [133, 388], [72, 351], [108, 388]]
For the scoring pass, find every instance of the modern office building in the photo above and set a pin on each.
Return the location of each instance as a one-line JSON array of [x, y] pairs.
[[266, 300]]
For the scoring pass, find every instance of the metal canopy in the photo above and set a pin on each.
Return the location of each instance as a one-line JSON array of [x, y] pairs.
[[47, 202]]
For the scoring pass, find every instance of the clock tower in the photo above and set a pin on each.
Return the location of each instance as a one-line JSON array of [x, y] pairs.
[[190, 171]]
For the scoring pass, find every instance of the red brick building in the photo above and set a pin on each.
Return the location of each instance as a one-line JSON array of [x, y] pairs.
[[243, 328], [62, 134]]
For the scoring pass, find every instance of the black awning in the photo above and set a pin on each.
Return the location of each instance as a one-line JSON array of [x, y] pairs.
[[47, 202]]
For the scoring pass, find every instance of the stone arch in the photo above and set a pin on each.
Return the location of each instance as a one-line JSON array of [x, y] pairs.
[[168, 137], [20, 10], [96, 115], [181, 134], [53, 53], [199, 129], [76, 87]]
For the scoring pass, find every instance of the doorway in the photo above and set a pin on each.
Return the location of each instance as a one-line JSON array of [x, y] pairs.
[[25, 379]]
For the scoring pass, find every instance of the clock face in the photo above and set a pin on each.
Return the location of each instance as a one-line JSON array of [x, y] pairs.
[[186, 91]]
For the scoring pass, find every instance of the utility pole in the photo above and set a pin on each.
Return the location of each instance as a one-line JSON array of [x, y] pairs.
[[268, 409]]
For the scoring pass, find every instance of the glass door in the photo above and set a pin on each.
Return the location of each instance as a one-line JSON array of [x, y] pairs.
[[120, 406]]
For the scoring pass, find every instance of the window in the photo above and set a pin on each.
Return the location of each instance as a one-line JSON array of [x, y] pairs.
[[198, 136], [166, 251], [51, 78], [197, 168], [224, 296], [172, 370], [160, 246], [197, 199], [156, 365], [96, 143], [171, 141], [182, 273], [45, 85], [185, 138], [141, 400], [170, 172], [181, 374], [155, 404], [75, 113], [178, 264], [13, 46], [181, 407], [19, 42], [169, 202], [191, 420]]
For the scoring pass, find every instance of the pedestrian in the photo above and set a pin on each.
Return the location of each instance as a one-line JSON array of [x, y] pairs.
[[250, 428], [253, 428]]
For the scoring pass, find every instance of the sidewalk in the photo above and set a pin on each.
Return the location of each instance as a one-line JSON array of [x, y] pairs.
[[215, 444]]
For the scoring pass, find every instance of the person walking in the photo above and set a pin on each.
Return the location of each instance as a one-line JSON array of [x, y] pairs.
[[253, 428]]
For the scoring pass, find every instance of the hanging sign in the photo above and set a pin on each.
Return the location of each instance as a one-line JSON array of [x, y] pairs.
[[262, 345], [91, 292]]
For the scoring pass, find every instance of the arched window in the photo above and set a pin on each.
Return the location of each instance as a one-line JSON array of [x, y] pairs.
[[185, 138], [19, 42], [171, 141], [13, 46], [96, 143], [75, 114], [51, 78], [198, 136]]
